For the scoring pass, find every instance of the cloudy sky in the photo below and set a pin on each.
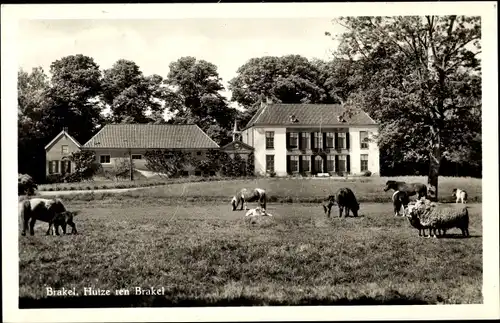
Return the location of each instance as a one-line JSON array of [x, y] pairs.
[[154, 44]]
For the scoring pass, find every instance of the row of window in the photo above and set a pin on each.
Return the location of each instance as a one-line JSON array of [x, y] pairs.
[[319, 163], [302, 140], [59, 166], [106, 159]]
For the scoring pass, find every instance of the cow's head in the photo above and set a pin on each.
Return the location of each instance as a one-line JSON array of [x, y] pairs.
[[234, 202], [389, 185], [355, 209]]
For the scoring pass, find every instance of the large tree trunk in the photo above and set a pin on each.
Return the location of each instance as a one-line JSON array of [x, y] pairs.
[[434, 165]]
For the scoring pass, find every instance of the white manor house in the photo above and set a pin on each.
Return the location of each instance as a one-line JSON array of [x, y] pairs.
[[312, 139]]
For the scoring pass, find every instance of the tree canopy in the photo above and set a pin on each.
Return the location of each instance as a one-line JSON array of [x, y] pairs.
[[421, 81], [196, 97]]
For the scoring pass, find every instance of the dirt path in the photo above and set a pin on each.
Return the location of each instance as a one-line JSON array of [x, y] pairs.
[[109, 190]]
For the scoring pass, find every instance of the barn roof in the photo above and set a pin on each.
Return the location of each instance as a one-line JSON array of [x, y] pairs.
[[307, 115], [151, 136]]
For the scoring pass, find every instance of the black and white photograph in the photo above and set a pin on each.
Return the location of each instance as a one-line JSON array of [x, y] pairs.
[[265, 161]]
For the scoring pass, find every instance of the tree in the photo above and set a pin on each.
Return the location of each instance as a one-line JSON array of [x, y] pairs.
[[32, 100], [286, 79], [74, 97], [131, 95], [421, 81], [85, 166], [196, 97]]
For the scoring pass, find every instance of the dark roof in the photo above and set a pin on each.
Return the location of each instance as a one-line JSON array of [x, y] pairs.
[[306, 114], [231, 145], [151, 136]]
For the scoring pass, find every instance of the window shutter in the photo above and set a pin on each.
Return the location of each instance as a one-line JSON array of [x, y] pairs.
[[325, 165], [56, 162], [299, 144], [347, 140], [69, 166], [50, 167], [336, 143], [324, 140], [300, 164], [63, 168], [312, 140], [348, 163], [287, 140], [288, 166], [336, 161]]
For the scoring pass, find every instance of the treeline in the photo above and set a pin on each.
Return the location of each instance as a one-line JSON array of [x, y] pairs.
[[416, 76]]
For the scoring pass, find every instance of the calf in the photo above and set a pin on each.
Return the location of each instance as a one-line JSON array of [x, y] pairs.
[[345, 200], [400, 200], [46, 210], [245, 195], [409, 188], [258, 211], [460, 195]]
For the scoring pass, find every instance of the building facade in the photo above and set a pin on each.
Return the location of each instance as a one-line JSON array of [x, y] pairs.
[[312, 139], [118, 143], [58, 151]]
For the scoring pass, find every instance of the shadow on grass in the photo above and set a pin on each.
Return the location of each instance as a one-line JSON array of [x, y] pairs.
[[163, 301], [459, 236]]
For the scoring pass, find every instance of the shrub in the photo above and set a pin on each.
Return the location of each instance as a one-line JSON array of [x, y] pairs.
[[271, 173], [26, 185], [367, 173], [55, 178], [86, 165], [166, 162]]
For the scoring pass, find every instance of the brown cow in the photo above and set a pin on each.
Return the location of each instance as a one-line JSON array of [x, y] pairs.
[[409, 188], [245, 195]]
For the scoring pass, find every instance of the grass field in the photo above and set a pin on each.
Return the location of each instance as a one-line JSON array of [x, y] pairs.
[[366, 189], [206, 255]]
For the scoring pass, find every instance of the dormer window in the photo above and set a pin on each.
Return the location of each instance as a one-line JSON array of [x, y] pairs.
[[340, 119], [293, 119]]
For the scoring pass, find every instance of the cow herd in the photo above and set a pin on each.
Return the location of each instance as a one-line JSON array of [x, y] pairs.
[[422, 214]]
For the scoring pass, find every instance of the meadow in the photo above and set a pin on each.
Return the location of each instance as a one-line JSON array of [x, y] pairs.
[[283, 190], [204, 254]]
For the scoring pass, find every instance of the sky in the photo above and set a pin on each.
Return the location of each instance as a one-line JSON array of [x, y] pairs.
[[154, 44]]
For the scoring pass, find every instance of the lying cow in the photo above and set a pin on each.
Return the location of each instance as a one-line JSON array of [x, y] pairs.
[[460, 195], [51, 211], [409, 188], [400, 201], [258, 211], [245, 195], [345, 200]]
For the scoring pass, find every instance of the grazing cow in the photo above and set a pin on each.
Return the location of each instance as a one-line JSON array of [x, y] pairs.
[[400, 200], [345, 200], [258, 211], [63, 219], [46, 210], [409, 188], [460, 195], [245, 195]]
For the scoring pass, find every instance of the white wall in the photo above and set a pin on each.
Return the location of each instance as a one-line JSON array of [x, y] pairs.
[[256, 137], [356, 151], [279, 151]]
